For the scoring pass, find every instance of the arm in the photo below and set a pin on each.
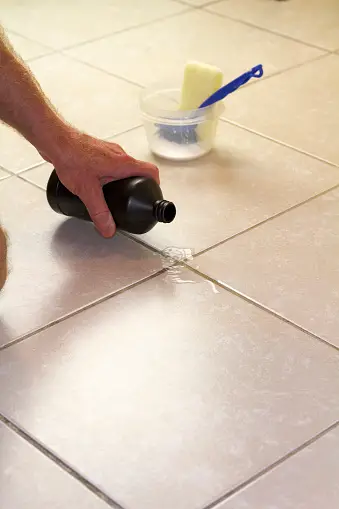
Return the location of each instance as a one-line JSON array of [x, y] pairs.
[[24, 106], [83, 163]]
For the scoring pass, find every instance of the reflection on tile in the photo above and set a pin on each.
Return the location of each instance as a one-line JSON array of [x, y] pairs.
[[308, 480], [29, 479], [244, 181], [3, 174], [59, 24], [58, 265], [295, 108], [170, 44], [171, 381], [289, 264], [310, 21], [39, 175], [26, 48], [105, 105]]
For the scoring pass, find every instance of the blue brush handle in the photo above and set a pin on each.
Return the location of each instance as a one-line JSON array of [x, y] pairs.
[[220, 94]]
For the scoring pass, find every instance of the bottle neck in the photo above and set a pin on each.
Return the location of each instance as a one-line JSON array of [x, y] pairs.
[[164, 211]]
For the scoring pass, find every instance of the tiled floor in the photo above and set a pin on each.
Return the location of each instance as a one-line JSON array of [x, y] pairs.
[[131, 383]]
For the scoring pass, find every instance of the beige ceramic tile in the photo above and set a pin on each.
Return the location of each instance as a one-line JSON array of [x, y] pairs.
[[39, 175], [27, 49], [92, 100], [160, 51], [16, 153], [308, 480], [58, 265], [196, 3], [60, 24], [310, 21], [29, 479], [169, 382], [298, 107], [3, 174], [289, 264], [244, 181]]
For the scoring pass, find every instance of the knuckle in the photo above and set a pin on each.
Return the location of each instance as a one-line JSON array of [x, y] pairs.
[[117, 149]]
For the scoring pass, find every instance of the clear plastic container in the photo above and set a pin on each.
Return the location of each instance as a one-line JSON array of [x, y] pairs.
[[174, 134]]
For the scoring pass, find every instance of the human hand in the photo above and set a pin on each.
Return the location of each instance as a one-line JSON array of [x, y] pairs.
[[85, 164]]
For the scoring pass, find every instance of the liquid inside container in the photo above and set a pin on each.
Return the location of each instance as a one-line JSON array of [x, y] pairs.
[[174, 134]]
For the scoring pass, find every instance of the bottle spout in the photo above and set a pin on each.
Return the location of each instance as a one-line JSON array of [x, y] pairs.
[[164, 211]]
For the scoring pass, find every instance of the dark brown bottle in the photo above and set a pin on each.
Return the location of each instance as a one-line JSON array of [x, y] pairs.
[[136, 203]]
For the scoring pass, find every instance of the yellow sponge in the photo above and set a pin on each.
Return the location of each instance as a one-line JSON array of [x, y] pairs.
[[200, 81]]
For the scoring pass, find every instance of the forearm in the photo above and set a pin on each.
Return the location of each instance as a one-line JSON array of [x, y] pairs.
[[24, 106]]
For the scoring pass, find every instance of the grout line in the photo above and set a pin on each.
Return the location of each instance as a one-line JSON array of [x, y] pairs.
[[273, 466], [199, 7], [59, 462], [5, 171], [76, 312], [186, 4], [109, 73], [6, 177], [267, 30], [201, 274], [49, 50], [279, 142], [28, 61], [203, 251], [34, 167], [286, 69], [264, 221], [18, 34], [98, 492], [130, 129], [30, 168], [16, 174], [31, 183], [191, 9], [208, 4], [282, 71], [128, 29], [142, 243], [235, 292], [257, 304]]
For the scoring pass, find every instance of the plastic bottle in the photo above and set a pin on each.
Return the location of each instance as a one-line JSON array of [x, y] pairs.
[[136, 203]]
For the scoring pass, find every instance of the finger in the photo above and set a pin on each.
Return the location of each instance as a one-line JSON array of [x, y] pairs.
[[135, 168], [93, 198], [148, 170]]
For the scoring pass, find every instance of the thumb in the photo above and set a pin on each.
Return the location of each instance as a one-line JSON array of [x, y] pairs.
[[93, 198]]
